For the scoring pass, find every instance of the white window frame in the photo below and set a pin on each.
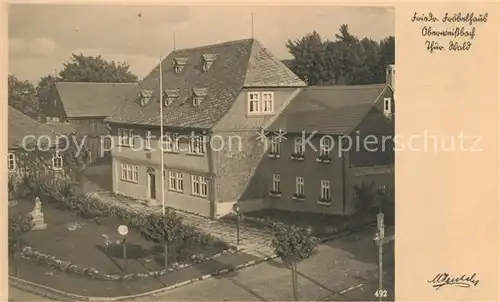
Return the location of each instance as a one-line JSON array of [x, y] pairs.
[[176, 181], [130, 137], [148, 140], [11, 162], [387, 105], [196, 145], [267, 104], [298, 146], [275, 145], [199, 185], [276, 183], [178, 68], [326, 193], [171, 142], [57, 161], [299, 186], [253, 98], [196, 101], [129, 173], [324, 149]]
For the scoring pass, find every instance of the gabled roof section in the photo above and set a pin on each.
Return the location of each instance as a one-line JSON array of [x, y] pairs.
[[264, 70], [21, 126], [232, 70], [180, 60], [88, 99], [331, 110]]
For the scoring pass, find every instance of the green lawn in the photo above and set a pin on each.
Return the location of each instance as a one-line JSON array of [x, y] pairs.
[[98, 246]]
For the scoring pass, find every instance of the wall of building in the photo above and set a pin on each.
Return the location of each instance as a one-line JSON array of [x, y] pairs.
[[237, 165], [187, 164], [54, 106]]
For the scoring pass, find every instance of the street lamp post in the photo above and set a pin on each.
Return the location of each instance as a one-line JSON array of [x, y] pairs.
[[123, 231], [236, 208]]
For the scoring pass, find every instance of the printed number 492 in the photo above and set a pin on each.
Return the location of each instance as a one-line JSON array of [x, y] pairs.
[[381, 293]]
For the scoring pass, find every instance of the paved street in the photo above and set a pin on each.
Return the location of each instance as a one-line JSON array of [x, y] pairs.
[[21, 296], [340, 264]]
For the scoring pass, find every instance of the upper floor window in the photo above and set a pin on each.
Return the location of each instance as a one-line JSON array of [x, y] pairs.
[[325, 145], [125, 137], [275, 145], [11, 161], [148, 140], [298, 146], [260, 102], [171, 142], [57, 161], [196, 145], [276, 183], [299, 186], [387, 106]]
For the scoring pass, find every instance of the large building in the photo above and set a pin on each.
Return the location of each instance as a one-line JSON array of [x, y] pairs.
[[217, 102]]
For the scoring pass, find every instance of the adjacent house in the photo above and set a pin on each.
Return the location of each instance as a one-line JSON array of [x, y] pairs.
[[337, 137], [81, 107], [215, 99], [23, 132]]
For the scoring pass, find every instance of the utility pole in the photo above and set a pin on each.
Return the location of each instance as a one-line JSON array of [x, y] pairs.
[[379, 238]]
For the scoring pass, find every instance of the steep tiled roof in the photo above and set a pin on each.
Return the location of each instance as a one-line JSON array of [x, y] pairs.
[[328, 109], [21, 126], [87, 99], [237, 64]]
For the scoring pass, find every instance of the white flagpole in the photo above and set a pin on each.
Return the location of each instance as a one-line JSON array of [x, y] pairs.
[[162, 139]]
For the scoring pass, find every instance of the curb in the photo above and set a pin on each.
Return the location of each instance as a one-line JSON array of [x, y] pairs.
[[59, 295]]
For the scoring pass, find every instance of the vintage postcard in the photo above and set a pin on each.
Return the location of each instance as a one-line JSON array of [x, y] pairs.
[[250, 151]]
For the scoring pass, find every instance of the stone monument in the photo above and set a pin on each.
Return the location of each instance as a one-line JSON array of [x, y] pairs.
[[38, 222]]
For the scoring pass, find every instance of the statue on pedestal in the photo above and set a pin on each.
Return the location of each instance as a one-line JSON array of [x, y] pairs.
[[38, 221]]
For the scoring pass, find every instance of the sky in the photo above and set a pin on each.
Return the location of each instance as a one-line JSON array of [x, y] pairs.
[[42, 37]]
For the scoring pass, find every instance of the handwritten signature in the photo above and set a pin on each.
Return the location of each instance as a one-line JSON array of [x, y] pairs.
[[443, 279]]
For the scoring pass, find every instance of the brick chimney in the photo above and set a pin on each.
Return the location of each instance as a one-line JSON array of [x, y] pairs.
[[389, 75]]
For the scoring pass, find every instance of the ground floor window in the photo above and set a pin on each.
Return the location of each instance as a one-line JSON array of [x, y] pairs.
[[130, 172], [176, 181], [199, 185]]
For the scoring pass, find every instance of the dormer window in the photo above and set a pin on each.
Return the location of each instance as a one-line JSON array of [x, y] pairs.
[[207, 60], [146, 96], [170, 95], [198, 95], [179, 63]]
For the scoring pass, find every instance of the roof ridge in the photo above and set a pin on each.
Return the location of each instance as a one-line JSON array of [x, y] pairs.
[[67, 82], [366, 86], [213, 45]]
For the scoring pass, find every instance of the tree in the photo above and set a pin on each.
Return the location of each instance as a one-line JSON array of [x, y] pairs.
[[19, 225], [309, 54], [22, 96], [83, 68], [292, 245], [345, 60], [163, 229]]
